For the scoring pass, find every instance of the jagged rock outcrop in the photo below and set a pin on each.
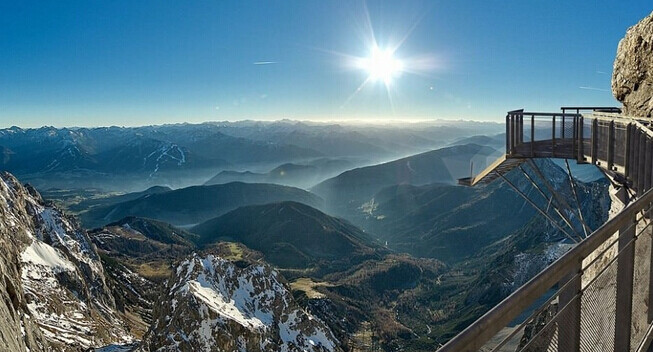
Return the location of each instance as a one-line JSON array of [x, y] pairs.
[[213, 304], [18, 328], [632, 76], [55, 276]]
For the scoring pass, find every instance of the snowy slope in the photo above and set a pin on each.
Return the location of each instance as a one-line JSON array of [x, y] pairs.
[[60, 273], [215, 305]]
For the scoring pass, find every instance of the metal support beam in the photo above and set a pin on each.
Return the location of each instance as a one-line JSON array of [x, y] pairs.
[[564, 218], [560, 201], [555, 224], [579, 209]]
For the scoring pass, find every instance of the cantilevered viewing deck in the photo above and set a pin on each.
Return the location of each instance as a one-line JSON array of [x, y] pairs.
[[598, 296], [619, 145]]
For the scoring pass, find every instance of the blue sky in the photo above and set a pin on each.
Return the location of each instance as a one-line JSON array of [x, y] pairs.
[[97, 63]]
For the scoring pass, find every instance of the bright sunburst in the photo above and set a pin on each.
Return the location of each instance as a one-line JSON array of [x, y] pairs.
[[381, 65], [381, 62]]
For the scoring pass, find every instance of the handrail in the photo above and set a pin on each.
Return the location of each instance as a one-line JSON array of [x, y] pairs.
[[613, 108], [528, 113], [483, 329]]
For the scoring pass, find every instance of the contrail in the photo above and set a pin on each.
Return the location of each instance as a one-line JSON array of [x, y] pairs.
[[593, 88], [265, 62]]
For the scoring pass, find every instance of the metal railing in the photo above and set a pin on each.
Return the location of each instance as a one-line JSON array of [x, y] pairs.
[[595, 296], [621, 146], [544, 135]]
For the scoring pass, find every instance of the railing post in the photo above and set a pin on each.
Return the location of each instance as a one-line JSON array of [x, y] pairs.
[[574, 135], [553, 137], [532, 135], [649, 230], [520, 137], [628, 150], [624, 301], [634, 167], [513, 133], [595, 137], [562, 132], [611, 146], [569, 324], [646, 174], [581, 142], [508, 134], [641, 162]]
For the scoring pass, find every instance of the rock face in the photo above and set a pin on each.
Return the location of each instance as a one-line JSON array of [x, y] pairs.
[[18, 328], [632, 77], [53, 277], [218, 305]]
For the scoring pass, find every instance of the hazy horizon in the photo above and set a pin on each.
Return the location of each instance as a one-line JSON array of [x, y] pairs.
[[349, 122]]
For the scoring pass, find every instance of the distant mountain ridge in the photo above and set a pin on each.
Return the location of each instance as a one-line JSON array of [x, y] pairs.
[[192, 205], [300, 174], [444, 165], [291, 235]]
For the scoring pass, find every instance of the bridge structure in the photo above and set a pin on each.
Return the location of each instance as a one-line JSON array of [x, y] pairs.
[[598, 296]]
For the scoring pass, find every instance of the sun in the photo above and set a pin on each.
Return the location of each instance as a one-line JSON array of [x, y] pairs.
[[382, 65]]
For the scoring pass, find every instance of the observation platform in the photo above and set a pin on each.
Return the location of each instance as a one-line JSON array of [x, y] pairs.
[[598, 296]]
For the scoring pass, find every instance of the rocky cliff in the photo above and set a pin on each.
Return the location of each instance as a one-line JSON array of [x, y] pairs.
[[55, 291], [632, 77], [18, 329], [213, 304]]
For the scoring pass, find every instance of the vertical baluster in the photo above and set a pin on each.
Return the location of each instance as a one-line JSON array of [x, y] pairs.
[[595, 137]]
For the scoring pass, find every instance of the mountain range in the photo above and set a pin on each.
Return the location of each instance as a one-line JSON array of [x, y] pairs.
[[125, 159]]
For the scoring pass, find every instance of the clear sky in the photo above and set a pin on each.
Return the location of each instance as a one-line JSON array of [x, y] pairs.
[[96, 63]]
